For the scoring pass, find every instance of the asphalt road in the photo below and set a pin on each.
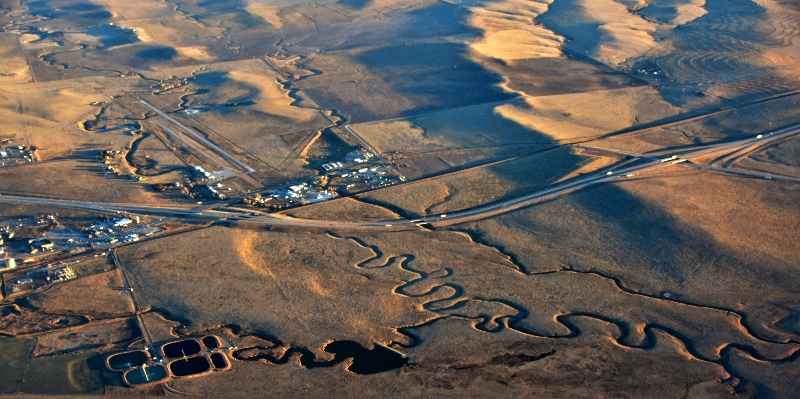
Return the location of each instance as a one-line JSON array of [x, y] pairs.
[[561, 189], [646, 162]]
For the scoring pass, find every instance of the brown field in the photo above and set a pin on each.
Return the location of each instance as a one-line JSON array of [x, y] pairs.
[[103, 335], [736, 123], [779, 159], [82, 179], [343, 209], [492, 290], [439, 142], [483, 185], [673, 282], [98, 296], [729, 221]]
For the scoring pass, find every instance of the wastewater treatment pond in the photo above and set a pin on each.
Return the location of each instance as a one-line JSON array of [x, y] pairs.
[[184, 358], [122, 361], [145, 375], [189, 366]]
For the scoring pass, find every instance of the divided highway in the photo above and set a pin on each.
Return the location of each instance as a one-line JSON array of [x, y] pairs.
[[641, 163], [648, 163]]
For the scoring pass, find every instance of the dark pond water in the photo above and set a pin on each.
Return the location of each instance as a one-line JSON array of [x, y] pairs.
[[219, 360], [134, 127], [365, 361], [181, 348], [189, 366], [145, 375], [210, 342], [127, 360]]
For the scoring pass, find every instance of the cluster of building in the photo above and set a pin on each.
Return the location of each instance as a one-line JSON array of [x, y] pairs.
[[216, 190], [43, 234], [166, 187], [370, 177], [358, 171], [40, 244], [203, 186], [26, 242], [8, 235], [5, 261], [206, 174], [301, 194], [111, 231], [17, 153], [358, 156], [38, 278], [111, 163], [651, 71]]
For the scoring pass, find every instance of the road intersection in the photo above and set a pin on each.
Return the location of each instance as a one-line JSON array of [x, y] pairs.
[[634, 166]]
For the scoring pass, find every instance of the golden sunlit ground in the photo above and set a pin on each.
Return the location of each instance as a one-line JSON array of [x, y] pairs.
[[590, 198]]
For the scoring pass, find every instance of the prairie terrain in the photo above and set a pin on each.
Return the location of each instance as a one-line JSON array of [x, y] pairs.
[[455, 198]]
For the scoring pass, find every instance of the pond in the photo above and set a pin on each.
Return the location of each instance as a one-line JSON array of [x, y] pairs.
[[181, 348], [127, 360], [145, 375], [210, 342], [365, 361], [219, 360], [189, 366]]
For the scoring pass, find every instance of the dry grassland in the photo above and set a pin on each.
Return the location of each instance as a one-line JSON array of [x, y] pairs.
[[50, 115], [571, 116], [588, 365], [14, 66], [662, 285], [508, 33], [159, 327], [454, 138], [483, 185], [268, 284], [98, 336], [552, 76], [704, 238], [345, 209], [407, 279], [780, 159], [78, 179], [500, 364], [739, 123], [604, 30], [99, 297]]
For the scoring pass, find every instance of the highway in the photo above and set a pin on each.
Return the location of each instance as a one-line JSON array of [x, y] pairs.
[[634, 166], [608, 175]]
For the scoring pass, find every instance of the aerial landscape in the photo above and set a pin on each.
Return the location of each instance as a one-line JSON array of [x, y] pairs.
[[406, 198]]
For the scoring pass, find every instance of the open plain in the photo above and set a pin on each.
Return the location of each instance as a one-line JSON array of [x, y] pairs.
[[405, 198]]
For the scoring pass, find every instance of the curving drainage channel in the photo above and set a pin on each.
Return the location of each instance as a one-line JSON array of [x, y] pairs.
[[199, 356]]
